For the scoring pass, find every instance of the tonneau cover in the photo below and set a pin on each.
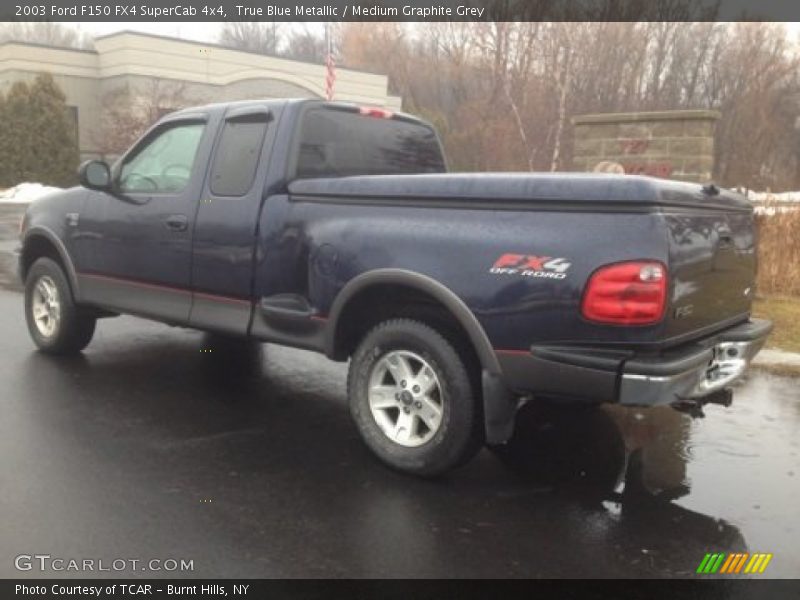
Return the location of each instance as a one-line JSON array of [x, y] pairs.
[[598, 188]]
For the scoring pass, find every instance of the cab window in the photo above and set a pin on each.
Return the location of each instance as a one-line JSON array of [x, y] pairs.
[[237, 156], [336, 143], [163, 164]]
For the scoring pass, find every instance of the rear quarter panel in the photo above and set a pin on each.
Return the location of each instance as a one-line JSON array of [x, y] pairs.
[[317, 247]]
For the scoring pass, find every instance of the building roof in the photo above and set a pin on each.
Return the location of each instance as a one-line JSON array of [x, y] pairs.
[[13, 42], [175, 39], [132, 53]]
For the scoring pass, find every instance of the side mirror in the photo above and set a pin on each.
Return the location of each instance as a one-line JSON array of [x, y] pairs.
[[95, 175]]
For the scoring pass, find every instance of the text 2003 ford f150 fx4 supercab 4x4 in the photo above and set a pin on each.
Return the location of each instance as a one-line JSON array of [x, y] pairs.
[[335, 228]]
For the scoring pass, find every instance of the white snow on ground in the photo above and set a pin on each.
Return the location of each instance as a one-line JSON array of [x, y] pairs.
[[767, 203], [769, 197], [25, 193], [760, 209]]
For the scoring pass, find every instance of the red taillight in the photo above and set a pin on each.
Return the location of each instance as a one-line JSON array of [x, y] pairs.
[[629, 293], [380, 113]]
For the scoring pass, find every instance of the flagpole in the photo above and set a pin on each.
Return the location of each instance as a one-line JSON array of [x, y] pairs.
[[330, 65], [327, 40]]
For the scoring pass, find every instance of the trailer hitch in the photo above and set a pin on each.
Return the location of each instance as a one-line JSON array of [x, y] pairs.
[[694, 406]]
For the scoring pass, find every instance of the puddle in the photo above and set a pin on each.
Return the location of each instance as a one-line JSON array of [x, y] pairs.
[[736, 470]]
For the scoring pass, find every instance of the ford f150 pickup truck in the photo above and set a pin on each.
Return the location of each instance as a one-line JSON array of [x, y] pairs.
[[456, 297]]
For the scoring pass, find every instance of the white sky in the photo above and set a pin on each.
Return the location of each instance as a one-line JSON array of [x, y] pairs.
[[209, 32]]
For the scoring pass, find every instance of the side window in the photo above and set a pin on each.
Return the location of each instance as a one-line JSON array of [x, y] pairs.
[[164, 163], [237, 155]]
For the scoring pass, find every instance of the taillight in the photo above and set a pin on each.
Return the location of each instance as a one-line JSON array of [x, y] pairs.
[[628, 293], [380, 113]]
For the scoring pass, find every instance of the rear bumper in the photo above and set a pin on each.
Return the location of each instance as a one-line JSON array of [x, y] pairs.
[[589, 374]]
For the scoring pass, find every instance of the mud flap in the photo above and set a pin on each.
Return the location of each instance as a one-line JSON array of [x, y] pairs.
[[499, 408]]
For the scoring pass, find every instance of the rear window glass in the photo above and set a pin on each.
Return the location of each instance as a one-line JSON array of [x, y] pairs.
[[237, 155], [338, 143]]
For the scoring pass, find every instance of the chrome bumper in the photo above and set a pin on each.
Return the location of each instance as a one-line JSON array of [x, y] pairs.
[[695, 374]]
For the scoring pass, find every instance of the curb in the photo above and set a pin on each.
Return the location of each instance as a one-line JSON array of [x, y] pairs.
[[779, 362]]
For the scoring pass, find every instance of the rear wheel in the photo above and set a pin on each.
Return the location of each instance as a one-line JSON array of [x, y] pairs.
[[412, 399], [56, 324]]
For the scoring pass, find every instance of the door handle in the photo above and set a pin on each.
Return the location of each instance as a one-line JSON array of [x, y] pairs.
[[177, 222]]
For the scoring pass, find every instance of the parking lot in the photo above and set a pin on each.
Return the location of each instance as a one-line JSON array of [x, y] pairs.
[[164, 443]]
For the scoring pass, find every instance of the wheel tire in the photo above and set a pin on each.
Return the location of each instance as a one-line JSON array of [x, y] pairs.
[[438, 449], [72, 330]]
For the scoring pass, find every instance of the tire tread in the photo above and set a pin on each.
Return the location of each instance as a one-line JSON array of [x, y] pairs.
[[76, 328], [461, 437]]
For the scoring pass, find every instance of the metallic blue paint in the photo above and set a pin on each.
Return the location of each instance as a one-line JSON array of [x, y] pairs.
[[313, 238]]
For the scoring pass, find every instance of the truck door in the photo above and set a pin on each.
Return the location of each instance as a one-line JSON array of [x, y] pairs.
[[227, 220], [136, 254]]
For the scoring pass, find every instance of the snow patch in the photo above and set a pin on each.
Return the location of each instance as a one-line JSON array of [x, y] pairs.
[[769, 203], [25, 193], [769, 197]]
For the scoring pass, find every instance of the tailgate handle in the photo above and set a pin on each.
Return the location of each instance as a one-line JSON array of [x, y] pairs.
[[725, 236]]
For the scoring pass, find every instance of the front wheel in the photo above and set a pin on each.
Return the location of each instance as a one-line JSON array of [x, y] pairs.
[[412, 399], [55, 323]]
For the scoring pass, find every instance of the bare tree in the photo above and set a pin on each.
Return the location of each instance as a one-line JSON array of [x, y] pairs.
[[564, 51], [253, 36], [306, 45], [128, 111], [502, 93], [44, 32]]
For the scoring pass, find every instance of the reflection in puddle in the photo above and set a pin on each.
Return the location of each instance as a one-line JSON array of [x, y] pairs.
[[598, 453], [702, 480], [630, 463]]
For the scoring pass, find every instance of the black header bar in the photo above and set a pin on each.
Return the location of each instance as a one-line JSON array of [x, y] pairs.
[[398, 10], [463, 589]]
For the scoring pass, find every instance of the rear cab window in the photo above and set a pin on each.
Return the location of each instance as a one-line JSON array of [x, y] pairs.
[[238, 154], [337, 142]]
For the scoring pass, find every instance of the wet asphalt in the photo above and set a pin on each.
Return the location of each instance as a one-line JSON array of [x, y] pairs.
[[160, 442], [164, 443]]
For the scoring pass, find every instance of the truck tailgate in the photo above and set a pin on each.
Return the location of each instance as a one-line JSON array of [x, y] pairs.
[[712, 263]]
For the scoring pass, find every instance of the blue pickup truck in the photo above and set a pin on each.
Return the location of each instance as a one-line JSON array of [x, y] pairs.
[[455, 297]]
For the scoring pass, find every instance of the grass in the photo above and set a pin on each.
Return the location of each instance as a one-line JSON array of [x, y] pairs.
[[779, 277], [784, 311], [779, 254]]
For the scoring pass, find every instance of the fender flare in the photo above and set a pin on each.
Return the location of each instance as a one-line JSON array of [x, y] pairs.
[[50, 236], [423, 283]]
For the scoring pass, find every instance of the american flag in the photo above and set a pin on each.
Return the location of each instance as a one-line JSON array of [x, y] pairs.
[[330, 64]]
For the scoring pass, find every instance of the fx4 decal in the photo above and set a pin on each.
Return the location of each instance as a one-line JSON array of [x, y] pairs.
[[528, 265]]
